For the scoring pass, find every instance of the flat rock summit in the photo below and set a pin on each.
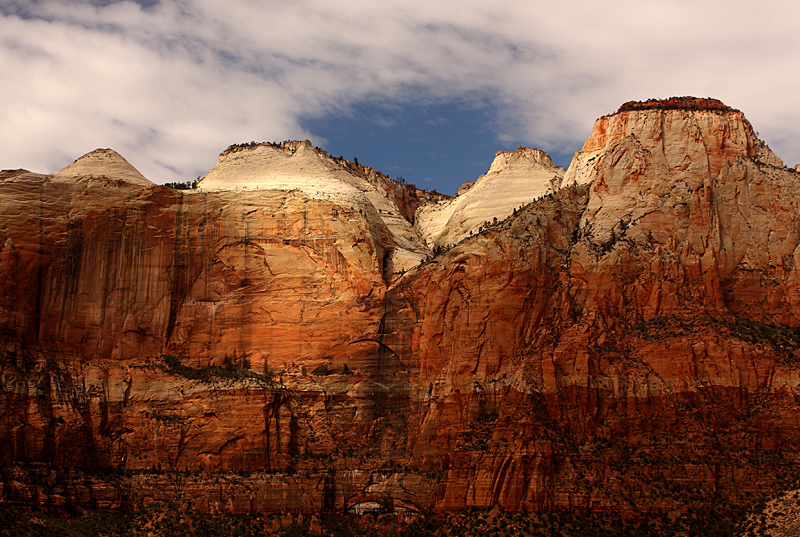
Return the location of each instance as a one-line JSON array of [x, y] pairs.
[[300, 333]]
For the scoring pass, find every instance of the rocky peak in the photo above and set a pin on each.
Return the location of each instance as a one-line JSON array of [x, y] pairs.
[[514, 179], [286, 165], [103, 163], [291, 146], [689, 177], [297, 165], [696, 136], [266, 165], [524, 158]]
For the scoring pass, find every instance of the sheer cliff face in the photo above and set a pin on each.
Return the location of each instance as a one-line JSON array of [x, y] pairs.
[[626, 342], [115, 272], [698, 185]]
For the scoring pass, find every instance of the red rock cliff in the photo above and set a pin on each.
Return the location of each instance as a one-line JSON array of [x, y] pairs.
[[627, 343]]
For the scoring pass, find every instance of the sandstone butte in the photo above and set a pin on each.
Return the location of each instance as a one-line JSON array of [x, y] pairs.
[[623, 339]]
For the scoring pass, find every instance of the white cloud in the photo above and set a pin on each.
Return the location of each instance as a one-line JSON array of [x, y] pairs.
[[171, 85]]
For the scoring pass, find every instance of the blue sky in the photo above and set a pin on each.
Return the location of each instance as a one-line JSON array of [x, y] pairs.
[[425, 90], [434, 145]]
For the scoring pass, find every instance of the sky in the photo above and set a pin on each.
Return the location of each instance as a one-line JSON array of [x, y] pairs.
[[425, 90]]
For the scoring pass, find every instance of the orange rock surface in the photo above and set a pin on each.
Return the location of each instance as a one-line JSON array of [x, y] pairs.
[[625, 344]]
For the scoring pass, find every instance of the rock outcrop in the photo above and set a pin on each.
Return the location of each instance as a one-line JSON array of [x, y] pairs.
[[513, 180], [626, 342], [388, 206], [103, 163]]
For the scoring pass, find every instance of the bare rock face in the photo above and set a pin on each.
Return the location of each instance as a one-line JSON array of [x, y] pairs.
[[122, 273], [154, 330], [513, 180], [299, 166], [700, 184], [627, 343], [103, 163], [646, 303], [696, 137]]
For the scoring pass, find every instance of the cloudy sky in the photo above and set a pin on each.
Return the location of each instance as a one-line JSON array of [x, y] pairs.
[[428, 90]]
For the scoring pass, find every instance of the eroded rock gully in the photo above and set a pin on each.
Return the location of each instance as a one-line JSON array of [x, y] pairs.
[[625, 343]]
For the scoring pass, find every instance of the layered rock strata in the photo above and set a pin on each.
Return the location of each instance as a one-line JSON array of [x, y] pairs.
[[625, 343]]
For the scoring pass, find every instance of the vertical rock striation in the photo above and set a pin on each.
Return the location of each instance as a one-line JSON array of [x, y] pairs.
[[625, 342]]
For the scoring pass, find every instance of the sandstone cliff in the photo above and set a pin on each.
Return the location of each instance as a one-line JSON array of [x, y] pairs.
[[388, 206], [652, 318], [626, 342]]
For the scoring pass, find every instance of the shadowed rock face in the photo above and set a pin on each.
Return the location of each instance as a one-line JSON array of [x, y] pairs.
[[625, 343]]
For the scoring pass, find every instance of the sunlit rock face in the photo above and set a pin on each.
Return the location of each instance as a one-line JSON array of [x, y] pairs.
[[690, 177], [625, 342], [389, 207], [102, 163], [514, 179], [694, 137]]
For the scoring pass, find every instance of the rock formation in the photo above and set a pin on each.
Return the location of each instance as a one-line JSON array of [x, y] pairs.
[[102, 163], [625, 342], [513, 180], [387, 206]]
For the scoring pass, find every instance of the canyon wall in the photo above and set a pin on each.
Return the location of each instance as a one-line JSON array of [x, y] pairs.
[[625, 342]]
